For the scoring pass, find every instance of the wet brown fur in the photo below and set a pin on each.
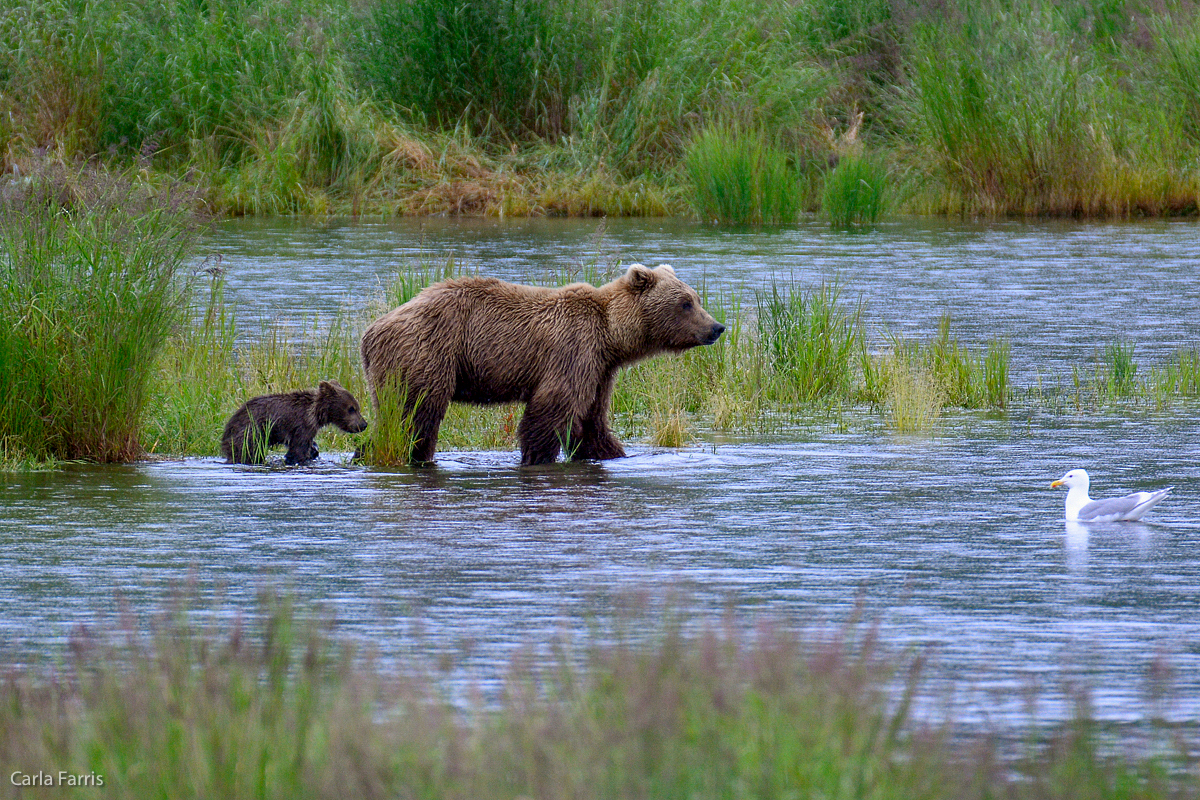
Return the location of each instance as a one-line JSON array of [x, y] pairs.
[[292, 419], [483, 341]]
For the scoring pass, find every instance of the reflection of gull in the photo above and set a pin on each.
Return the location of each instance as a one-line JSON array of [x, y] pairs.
[[1085, 509], [1077, 546]]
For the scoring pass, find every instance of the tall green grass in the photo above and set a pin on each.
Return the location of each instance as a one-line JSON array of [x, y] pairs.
[[621, 84], [653, 702], [499, 63], [1025, 110], [811, 341], [91, 288], [795, 349], [741, 178], [914, 397], [968, 380], [1181, 375], [389, 440], [792, 352], [598, 107], [915, 380], [856, 192], [195, 386], [1007, 109], [1179, 57], [1120, 368]]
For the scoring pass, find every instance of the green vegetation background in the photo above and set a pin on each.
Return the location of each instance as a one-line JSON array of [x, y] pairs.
[[737, 111]]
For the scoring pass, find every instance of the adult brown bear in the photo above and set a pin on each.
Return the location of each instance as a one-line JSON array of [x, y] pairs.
[[481, 340]]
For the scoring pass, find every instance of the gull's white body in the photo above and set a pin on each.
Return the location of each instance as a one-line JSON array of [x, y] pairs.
[[1082, 508]]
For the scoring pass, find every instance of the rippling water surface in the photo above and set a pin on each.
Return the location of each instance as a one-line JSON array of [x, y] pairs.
[[1058, 291], [954, 541]]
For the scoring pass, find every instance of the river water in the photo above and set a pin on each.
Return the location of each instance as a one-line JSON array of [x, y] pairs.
[[952, 541]]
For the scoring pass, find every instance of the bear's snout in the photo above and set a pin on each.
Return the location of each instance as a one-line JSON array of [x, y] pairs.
[[354, 424], [714, 333]]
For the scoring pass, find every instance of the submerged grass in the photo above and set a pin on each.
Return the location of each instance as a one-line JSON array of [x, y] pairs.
[[794, 353], [810, 341], [1120, 367], [1181, 375], [653, 702], [211, 366], [1113, 379], [916, 380], [389, 440]]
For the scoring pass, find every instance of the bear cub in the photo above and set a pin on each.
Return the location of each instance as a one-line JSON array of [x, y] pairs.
[[292, 419]]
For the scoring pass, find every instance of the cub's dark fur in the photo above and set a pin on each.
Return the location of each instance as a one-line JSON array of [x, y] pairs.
[[292, 419]]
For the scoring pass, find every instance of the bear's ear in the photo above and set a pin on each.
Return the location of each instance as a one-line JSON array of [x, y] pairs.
[[640, 277], [667, 268], [328, 387]]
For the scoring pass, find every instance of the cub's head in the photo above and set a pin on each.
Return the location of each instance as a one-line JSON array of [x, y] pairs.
[[336, 406], [667, 310]]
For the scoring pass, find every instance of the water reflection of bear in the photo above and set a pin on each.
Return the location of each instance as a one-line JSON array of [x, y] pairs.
[[584, 495], [451, 491]]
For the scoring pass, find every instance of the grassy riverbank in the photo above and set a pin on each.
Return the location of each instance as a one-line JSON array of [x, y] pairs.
[[795, 352], [652, 703], [747, 112], [793, 356], [92, 286]]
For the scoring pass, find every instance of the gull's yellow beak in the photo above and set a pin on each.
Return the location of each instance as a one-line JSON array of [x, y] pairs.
[[1056, 484]]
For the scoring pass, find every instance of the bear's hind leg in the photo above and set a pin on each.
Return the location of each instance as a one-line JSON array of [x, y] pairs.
[[426, 422], [545, 429]]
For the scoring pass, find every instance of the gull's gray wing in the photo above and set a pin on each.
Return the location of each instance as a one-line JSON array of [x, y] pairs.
[[1126, 507], [1115, 507]]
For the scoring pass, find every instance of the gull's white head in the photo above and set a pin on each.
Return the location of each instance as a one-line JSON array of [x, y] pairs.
[[1076, 478]]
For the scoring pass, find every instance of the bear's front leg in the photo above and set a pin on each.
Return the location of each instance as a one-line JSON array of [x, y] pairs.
[[301, 451], [592, 438]]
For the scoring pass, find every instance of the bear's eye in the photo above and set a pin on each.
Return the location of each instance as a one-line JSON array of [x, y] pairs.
[[353, 410], [686, 305]]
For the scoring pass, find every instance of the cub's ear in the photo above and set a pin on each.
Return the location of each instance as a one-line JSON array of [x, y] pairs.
[[329, 387], [640, 277], [667, 268]]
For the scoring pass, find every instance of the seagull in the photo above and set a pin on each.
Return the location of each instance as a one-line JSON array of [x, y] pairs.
[[1084, 509]]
